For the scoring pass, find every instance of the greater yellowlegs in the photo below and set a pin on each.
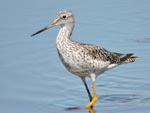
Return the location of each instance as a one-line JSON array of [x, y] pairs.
[[83, 60]]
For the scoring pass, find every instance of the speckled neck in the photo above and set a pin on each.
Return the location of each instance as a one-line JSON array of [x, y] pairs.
[[65, 32]]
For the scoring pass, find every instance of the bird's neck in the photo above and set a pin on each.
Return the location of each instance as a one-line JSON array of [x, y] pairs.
[[65, 33]]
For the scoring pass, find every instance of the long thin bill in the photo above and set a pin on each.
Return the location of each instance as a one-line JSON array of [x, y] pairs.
[[39, 31], [45, 28]]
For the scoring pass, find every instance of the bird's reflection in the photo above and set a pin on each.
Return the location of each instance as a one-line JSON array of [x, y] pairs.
[[91, 110]]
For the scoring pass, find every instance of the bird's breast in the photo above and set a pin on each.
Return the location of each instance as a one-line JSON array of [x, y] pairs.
[[77, 62]]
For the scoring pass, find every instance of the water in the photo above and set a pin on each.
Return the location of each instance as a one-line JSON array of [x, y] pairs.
[[32, 78]]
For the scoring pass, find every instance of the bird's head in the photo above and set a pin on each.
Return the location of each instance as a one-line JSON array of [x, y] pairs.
[[62, 18]]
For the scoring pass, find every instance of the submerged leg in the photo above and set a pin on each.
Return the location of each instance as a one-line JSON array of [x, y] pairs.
[[87, 89], [94, 96], [93, 100]]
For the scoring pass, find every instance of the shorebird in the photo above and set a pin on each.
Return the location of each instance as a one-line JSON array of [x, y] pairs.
[[83, 60]]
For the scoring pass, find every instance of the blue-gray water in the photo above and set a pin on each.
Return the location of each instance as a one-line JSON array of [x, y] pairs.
[[32, 78]]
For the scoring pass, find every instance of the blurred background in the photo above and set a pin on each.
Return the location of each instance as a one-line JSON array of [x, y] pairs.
[[32, 77]]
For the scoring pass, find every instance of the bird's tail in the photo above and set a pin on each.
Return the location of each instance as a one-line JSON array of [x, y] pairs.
[[127, 58]]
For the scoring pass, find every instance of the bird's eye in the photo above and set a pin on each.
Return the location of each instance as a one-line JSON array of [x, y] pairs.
[[64, 16]]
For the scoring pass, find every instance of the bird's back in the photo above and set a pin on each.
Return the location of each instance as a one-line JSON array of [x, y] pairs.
[[84, 59]]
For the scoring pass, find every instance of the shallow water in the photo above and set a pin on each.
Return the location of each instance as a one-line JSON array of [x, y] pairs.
[[32, 78]]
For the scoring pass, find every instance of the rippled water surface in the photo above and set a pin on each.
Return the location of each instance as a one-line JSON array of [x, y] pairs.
[[33, 79]]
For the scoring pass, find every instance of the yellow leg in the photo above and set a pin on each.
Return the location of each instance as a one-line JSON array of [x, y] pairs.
[[94, 98]]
